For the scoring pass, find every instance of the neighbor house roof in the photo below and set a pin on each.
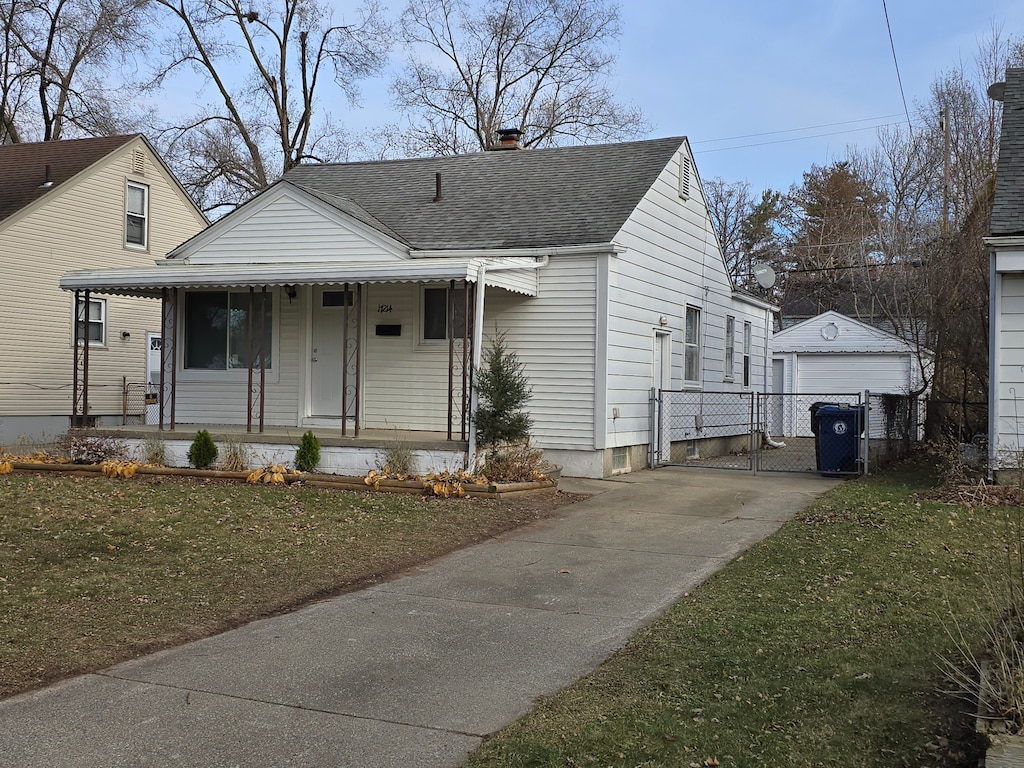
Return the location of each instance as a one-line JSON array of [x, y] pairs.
[[23, 167], [501, 199], [1008, 206]]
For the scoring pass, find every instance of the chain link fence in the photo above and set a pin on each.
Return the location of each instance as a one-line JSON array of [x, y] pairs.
[[844, 434]]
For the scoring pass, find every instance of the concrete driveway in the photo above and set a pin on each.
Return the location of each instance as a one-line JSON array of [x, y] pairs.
[[416, 671]]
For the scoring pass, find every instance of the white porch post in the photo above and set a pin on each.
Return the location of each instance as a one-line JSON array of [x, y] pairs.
[[478, 338]]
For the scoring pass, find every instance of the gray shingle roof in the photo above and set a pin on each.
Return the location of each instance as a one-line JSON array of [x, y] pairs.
[[1008, 205], [508, 199], [23, 167]]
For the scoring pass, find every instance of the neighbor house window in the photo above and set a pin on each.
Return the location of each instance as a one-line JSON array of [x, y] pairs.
[[691, 346], [92, 321], [435, 313], [746, 354], [136, 228], [217, 329], [730, 345]]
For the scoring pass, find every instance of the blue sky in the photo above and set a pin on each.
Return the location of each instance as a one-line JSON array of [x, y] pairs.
[[717, 69]]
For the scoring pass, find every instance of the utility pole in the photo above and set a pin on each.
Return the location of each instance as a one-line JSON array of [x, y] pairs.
[[944, 124]]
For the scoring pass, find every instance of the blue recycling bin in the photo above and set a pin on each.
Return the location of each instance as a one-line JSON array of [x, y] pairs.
[[840, 429]]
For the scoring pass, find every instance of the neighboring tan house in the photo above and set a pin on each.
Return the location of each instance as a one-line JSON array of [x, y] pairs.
[[599, 263], [81, 203]]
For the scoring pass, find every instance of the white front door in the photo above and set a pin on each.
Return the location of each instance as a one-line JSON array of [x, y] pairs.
[[333, 366]]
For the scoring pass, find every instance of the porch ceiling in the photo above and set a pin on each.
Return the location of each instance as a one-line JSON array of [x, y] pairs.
[[517, 274]]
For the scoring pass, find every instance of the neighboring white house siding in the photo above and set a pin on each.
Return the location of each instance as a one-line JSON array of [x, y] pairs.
[[284, 228], [1010, 348], [671, 260], [81, 227]]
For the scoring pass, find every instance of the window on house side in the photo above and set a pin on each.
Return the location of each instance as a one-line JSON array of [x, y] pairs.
[[435, 313], [217, 330], [691, 346], [136, 228], [746, 354], [730, 344], [94, 326]]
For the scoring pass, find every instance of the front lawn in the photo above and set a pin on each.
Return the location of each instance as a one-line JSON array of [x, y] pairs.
[[95, 570], [820, 647]]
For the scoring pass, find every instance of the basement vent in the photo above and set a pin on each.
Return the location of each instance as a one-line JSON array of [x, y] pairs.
[[684, 177], [620, 459], [138, 162]]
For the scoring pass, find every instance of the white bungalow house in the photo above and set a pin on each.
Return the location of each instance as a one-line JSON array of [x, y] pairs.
[[1006, 290], [835, 358], [79, 204], [355, 299]]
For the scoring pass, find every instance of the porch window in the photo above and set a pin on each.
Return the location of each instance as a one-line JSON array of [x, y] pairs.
[[691, 346], [217, 330], [746, 354], [730, 345], [435, 313], [92, 323]]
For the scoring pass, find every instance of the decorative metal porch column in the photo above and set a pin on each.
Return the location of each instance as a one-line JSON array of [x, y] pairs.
[[168, 369], [350, 356], [460, 368], [259, 350], [80, 379]]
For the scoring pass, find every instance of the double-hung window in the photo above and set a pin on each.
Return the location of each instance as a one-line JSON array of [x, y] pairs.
[[746, 354], [136, 226], [435, 313], [217, 326], [691, 346], [730, 344], [92, 321]]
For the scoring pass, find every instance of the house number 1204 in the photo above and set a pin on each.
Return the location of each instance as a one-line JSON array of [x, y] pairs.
[[383, 308]]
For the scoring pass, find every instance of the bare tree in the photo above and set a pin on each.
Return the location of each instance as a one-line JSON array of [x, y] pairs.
[[56, 66], [540, 66], [729, 205], [266, 117]]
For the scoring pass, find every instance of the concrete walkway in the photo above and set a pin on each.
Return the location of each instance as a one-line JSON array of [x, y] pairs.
[[416, 671]]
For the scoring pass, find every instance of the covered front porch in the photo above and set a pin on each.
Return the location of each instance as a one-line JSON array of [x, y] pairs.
[[364, 355]]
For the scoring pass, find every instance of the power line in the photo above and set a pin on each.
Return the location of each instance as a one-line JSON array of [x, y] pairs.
[[897, 64], [794, 130], [794, 138]]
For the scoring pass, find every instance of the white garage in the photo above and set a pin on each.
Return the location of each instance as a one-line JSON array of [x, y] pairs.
[[834, 358]]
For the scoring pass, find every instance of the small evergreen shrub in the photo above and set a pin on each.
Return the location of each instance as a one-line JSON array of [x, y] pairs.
[[504, 391], [203, 451], [307, 457]]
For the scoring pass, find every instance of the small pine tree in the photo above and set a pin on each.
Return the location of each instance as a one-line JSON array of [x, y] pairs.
[[504, 391], [307, 457], [203, 451]]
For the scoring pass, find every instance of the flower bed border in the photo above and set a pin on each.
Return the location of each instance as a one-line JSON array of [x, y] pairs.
[[336, 482]]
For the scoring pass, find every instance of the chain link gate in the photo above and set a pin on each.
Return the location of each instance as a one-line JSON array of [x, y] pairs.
[[706, 429]]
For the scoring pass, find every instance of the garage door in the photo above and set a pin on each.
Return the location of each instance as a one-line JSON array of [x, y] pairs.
[[852, 373]]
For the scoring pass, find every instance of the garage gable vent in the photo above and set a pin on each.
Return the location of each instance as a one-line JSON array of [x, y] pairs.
[[684, 177]]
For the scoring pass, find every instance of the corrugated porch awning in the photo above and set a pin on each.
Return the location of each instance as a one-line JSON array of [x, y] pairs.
[[516, 274]]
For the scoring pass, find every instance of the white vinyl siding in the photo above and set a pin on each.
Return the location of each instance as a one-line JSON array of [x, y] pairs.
[[1010, 373], [670, 259], [80, 225]]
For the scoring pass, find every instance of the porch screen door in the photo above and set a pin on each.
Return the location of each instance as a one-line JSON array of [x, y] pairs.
[[332, 383]]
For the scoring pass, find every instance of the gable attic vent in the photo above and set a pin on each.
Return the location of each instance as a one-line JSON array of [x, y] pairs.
[[138, 162], [684, 177]]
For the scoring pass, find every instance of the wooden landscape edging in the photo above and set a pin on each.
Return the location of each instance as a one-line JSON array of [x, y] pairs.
[[337, 482]]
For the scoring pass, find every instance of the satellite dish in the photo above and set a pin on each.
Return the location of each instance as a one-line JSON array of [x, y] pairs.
[[996, 91], [764, 275]]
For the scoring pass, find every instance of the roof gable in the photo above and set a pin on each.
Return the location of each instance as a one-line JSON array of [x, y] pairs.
[[835, 332], [286, 222], [1008, 204], [23, 167], [535, 198]]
